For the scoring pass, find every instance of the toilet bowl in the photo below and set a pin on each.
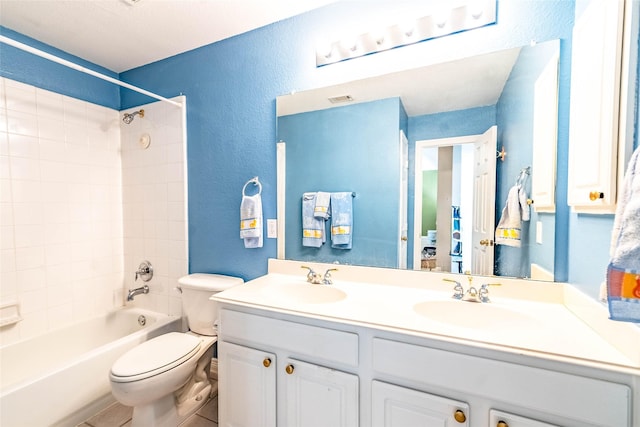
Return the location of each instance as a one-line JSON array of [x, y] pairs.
[[166, 379]]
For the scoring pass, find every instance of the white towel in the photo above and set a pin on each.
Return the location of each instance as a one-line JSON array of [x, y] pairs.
[[515, 211], [251, 221], [623, 272]]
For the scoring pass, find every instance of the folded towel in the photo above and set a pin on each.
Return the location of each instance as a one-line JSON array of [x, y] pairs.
[[322, 207], [514, 212], [312, 228], [341, 220], [623, 272], [251, 221]]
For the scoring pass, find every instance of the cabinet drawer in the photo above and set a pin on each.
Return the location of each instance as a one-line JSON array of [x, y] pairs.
[[311, 341], [587, 400]]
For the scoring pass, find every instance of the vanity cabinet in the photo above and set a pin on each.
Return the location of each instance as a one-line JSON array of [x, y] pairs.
[[274, 372], [394, 406], [595, 106], [503, 419]]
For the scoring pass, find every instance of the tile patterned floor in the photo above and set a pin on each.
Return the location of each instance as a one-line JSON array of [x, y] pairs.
[[118, 415]]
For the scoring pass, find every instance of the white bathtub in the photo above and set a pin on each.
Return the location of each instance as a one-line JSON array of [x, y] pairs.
[[62, 377]]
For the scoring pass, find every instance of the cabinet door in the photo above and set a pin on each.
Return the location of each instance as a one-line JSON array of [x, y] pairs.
[[394, 406], [503, 419], [595, 97], [247, 385], [319, 397]]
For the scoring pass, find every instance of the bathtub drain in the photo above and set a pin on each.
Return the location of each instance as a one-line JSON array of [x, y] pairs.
[[142, 320]]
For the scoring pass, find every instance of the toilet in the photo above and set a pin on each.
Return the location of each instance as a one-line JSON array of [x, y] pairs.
[[166, 379]]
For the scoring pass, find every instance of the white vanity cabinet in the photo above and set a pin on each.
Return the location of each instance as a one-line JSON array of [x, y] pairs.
[[596, 131], [275, 372], [524, 396]]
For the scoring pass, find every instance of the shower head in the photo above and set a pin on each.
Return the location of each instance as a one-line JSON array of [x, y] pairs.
[[128, 117]]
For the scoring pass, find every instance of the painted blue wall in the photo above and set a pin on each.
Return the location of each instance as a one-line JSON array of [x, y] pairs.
[[231, 88], [18, 65], [349, 148]]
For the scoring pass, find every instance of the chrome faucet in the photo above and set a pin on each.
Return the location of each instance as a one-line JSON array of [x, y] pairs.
[[137, 291], [317, 278], [472, 294], [144, 271]]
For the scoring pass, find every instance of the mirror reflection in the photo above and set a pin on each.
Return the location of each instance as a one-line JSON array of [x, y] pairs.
[[419, 149]]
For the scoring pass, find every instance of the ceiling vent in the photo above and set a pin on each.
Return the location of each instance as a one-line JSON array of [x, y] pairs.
[[341, 98]]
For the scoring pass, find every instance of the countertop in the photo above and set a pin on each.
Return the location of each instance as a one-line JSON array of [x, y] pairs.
[[550, 320]]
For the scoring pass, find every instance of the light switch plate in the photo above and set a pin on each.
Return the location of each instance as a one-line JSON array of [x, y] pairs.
[[272, 228], [539, 232]]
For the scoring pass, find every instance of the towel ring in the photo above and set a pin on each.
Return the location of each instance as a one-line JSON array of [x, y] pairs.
[[253, 181]]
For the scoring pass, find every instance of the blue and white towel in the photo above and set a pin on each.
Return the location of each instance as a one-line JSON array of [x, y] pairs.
[[516, 210], [342, 220], [312, 228], [323, 205], [623, 272], [251, 221]]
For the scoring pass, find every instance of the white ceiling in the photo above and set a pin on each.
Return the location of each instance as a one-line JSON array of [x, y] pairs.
[[124, 34]]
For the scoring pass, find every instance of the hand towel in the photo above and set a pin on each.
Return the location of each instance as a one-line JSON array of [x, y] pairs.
[[514, 212], [623, 272], [341, 220], [322, 208], [251, 221], [312, 228]]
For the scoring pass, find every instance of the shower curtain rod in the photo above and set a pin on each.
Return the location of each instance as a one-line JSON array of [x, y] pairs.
[[82, 69]]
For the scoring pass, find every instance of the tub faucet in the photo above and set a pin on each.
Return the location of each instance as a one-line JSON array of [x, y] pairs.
[[137, 291]]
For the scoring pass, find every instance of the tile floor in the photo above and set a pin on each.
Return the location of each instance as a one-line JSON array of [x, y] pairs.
[[118, 415]]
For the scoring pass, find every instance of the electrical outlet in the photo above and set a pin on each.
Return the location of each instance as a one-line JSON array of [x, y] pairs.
[[272, 228]]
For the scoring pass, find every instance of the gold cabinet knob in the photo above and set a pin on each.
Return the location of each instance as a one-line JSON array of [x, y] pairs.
[[266, 362], [289, 369], [595, 195], [459, 416], [502, 424]]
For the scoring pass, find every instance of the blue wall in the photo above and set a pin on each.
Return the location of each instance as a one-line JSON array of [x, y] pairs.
[[231, 88], [350, 148]]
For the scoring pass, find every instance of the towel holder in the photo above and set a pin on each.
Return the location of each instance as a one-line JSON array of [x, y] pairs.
[[255, 181]]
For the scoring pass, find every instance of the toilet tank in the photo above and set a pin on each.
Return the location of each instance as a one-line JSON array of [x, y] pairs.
[[201, 312]]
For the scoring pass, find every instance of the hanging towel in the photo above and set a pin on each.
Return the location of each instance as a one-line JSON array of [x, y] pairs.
[[322, 208], [251, 221], [312, 228], [514, 212], [623, 272], [341, 220]]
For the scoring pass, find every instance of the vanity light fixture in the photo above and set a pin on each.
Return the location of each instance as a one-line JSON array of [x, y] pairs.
[[460, 15]]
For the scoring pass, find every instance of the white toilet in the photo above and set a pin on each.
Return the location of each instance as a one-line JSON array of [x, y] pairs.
[[166, 379]]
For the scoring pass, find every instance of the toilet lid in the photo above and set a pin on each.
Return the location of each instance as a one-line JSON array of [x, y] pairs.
[[155, 356]]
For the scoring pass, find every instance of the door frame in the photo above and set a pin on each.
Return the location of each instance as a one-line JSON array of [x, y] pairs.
[[417, 204]]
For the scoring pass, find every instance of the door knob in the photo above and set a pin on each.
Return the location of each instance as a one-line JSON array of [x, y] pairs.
[[459, 416], [595, 195], [486, 242]]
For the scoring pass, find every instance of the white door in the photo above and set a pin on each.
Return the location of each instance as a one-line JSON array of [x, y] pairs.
[[394, 406], [404, 189], [316, 396], [247, 384], [484, 201]]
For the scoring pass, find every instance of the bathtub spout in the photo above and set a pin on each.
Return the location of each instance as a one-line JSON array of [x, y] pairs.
[[137, 291]]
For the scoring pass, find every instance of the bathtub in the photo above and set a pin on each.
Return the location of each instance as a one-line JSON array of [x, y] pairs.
[[61, 378]]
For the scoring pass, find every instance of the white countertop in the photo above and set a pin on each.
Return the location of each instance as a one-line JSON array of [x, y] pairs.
[[542, 319]]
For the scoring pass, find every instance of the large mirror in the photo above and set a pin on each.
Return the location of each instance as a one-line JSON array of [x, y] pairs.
[[419, 151]]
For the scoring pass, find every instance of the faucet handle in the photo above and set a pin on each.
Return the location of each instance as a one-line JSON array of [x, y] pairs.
[[483, 293], [312, 276], [458, 289], [327, 276]]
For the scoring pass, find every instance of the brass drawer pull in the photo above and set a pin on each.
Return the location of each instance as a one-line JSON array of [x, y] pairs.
[[289, 369], [459, 416], [266, 362], [502, 424]]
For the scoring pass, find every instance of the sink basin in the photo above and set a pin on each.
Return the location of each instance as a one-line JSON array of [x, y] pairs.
[[305, 293], [473, 315]]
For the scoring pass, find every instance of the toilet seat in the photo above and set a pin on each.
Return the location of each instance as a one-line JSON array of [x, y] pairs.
[[154, 357]]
